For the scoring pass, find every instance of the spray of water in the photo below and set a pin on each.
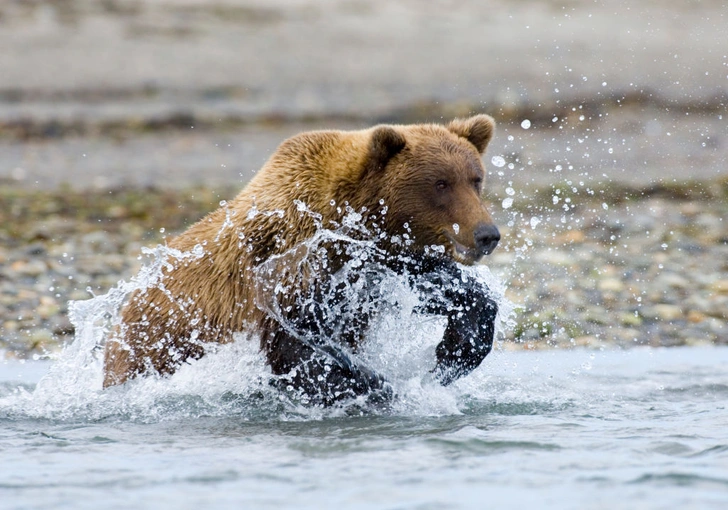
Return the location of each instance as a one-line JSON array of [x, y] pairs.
[[397, 341]]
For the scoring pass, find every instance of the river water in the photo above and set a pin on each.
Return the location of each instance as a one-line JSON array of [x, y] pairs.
[[643, 428]]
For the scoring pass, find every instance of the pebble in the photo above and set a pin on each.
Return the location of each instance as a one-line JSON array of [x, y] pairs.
[[611, 285], [33, 267], [631, 319], [674, 280], [695, 316], [666, 312], [720, 286], [597, 282]]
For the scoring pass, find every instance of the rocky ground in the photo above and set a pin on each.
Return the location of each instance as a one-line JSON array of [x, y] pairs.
[[628, 267], [608, 172], [631, 267]]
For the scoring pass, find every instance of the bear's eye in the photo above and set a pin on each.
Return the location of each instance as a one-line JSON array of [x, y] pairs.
[[441, 185], [478, 183]]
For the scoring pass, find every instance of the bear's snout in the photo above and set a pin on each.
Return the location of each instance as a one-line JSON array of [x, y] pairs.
[[486, 238]]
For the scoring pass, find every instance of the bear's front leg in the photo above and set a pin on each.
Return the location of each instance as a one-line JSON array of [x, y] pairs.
[[471, 314], [468, 337], [325, 380], [324, 374]]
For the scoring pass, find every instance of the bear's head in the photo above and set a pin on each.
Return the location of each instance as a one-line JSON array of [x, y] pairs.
[[431, 177]]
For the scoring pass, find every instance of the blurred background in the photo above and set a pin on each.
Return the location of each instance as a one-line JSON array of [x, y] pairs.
[[122, 121]]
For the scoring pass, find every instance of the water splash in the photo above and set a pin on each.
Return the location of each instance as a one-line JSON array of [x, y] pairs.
[[233, 379]]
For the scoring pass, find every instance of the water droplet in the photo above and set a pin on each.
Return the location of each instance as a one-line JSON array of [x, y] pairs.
[[507, 203], [526, 124], [498, 161]]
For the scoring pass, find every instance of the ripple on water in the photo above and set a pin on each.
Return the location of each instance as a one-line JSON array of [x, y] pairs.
[[511, 408], [706, 390], [717, 450], [479, 446], [681, 480]]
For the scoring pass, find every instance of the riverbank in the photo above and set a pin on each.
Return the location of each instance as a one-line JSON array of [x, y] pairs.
[[620, 267], [607, 173]]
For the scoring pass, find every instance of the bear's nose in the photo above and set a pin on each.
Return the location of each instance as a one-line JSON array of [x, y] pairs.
[[486, 238]]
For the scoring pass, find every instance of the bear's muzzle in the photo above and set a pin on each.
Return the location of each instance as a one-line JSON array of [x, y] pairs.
[[486, 238]]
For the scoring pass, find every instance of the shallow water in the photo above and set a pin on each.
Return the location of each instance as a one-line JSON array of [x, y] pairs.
[[552, 429], [644, 428]]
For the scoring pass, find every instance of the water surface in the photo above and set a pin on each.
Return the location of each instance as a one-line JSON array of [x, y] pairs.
[[644, 428]]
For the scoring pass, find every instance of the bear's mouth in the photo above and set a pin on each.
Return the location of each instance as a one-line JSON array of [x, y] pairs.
[[462, 253]]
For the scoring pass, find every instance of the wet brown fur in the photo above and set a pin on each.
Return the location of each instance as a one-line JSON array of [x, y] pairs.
[[208, 299]]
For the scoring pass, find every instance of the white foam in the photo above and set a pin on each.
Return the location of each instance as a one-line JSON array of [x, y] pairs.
[[232, 379]]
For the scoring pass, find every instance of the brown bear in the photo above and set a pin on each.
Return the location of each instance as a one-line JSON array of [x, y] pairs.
[[416, 192]]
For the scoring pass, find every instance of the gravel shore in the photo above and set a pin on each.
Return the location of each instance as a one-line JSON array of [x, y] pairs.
[[607, 174], [634, 266], [650, 268]]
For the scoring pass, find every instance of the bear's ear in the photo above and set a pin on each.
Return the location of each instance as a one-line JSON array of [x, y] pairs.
[[384, 145], [478, 130]]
